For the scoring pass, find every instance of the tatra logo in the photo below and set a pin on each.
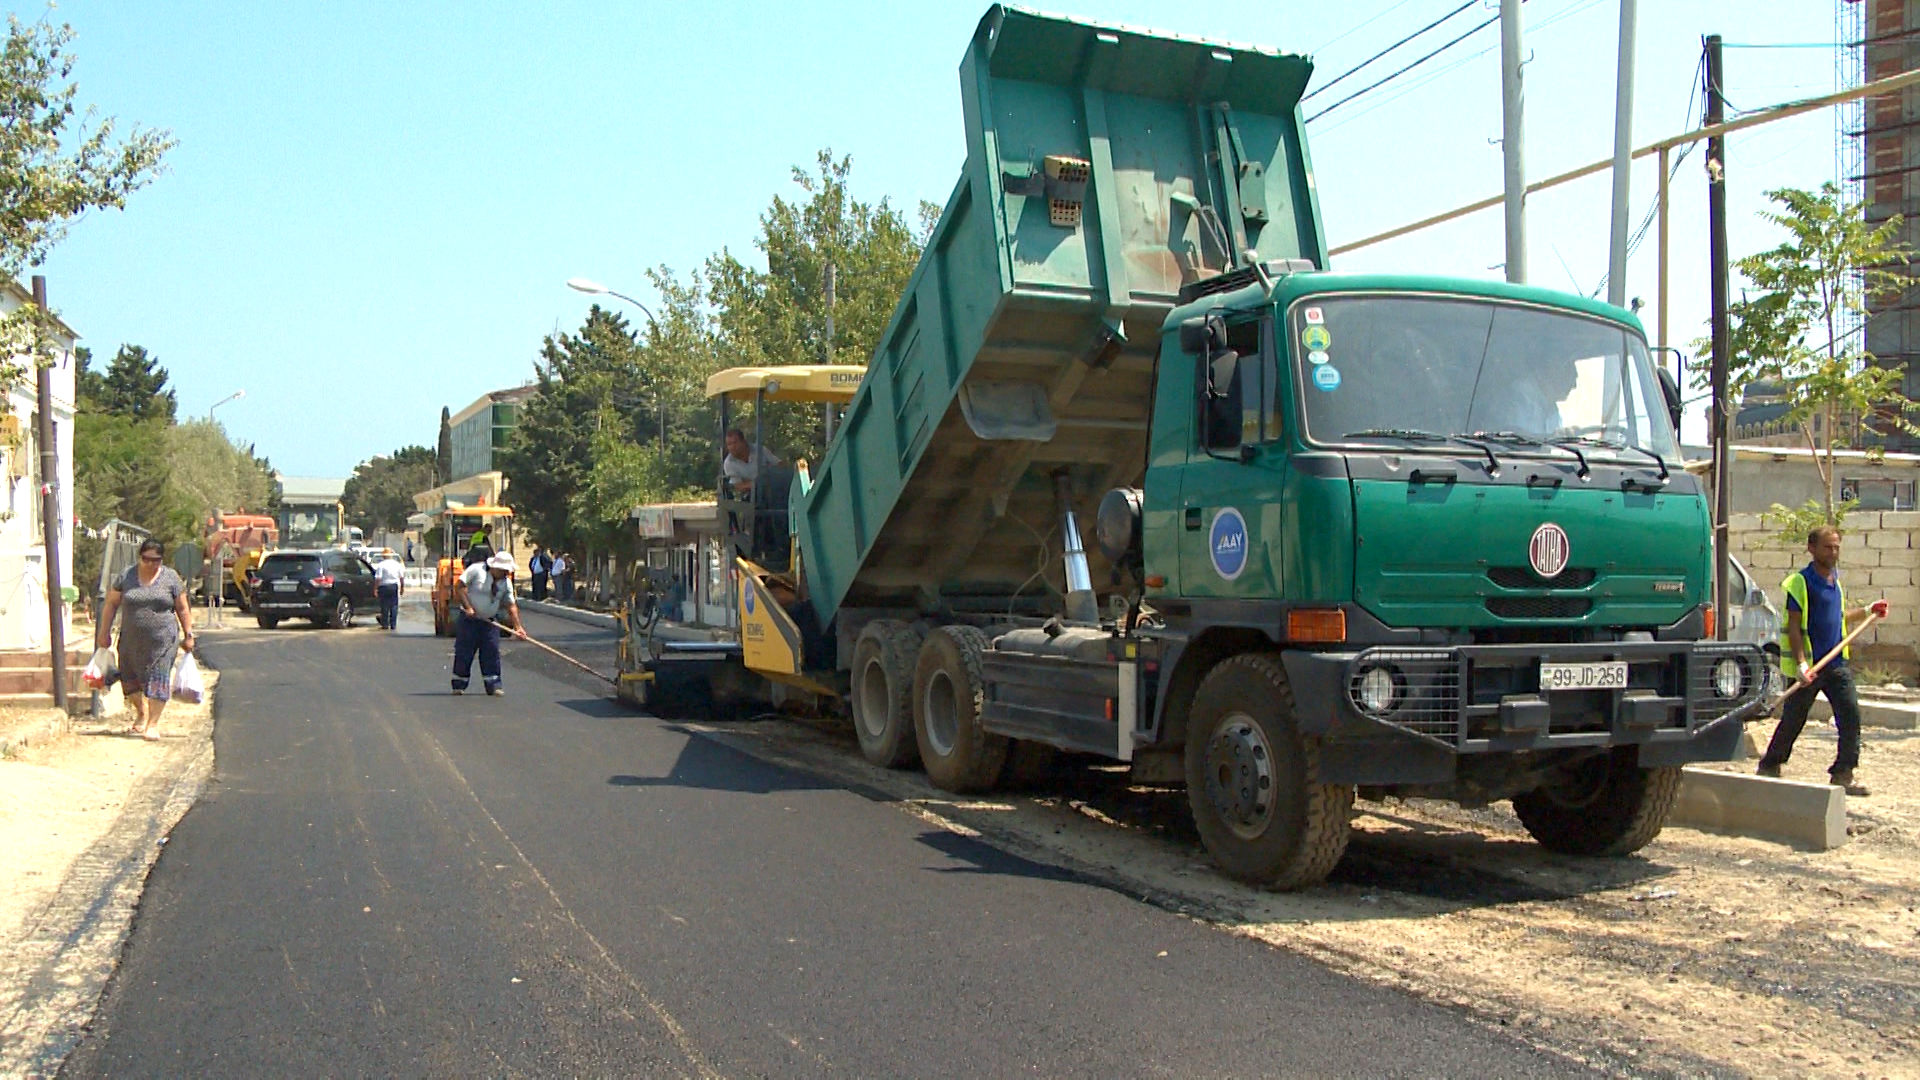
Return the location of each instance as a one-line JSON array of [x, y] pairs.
[[749, 599], [1549, 550], [1227, 543]]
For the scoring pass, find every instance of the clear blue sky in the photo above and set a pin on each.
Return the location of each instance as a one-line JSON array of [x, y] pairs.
[[374, 207]]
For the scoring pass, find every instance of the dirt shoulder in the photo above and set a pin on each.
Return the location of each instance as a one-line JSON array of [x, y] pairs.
[[82, 818], [1703, 954]]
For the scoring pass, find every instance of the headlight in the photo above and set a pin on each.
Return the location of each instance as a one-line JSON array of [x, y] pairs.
[[1375, 690], [1728, 675]]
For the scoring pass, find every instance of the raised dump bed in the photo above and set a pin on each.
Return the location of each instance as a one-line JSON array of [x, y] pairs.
[[1106, 169]]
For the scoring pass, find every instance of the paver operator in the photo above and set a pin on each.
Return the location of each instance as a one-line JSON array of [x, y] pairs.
[[482, 595], [743, 461], [1817, 619]]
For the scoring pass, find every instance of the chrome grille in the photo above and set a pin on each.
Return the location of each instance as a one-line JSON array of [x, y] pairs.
[[1523, 577], [1426, 690]]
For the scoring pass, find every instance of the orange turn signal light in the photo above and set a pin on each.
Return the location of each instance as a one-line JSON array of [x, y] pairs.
[[1712, 621], [1319, 625]]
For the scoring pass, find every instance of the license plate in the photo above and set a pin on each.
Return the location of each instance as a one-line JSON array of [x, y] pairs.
[[285, 586], [1603, 675]]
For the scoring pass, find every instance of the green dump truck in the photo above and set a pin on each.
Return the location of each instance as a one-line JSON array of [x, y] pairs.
[[1376, 534]]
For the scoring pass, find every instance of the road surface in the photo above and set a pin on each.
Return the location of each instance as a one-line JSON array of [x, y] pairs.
[[385, 879]]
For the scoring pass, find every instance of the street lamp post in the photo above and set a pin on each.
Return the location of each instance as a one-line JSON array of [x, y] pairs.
[[236, 395], [594, 288]]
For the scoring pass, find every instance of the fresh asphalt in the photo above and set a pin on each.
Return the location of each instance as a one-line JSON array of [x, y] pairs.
[[384, 879]]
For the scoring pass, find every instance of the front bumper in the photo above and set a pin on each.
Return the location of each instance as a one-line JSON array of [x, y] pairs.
[[1486, 699]]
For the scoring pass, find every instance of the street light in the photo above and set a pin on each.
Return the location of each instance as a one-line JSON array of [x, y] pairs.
[[594, 288], [230, 397]]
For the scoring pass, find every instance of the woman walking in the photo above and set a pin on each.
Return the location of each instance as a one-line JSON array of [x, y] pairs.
[[158, 622]]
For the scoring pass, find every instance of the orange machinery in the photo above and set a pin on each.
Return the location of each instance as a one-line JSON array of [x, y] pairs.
[[457, 526], [235, 543]]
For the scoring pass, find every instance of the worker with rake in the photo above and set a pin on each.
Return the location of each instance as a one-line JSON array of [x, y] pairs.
[[483, 595]]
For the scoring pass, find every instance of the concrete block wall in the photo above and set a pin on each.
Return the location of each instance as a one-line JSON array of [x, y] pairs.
[[1879, 558]]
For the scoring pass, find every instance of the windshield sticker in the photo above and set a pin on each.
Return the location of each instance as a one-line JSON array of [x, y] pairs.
[[1316, 337], [1314, 316], [1326, 377], [1227, 542], [1318, 356]]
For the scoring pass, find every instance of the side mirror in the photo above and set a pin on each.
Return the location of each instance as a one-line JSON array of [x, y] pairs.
[[1221, 405], [1203, 335], [1756, 598], [1670, 389]]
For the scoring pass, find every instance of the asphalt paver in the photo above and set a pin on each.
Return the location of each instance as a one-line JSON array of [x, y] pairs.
[[383, 878]]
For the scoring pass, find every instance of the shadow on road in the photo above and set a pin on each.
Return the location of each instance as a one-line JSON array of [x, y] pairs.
[[987, 859], [708, 766]]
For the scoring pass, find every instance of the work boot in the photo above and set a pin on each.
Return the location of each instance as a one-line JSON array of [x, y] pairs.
[[1844, 779], [1769, 771]]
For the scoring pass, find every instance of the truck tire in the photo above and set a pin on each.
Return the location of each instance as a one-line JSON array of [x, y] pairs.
[[1605, 805], [1251, 779], [948, 689], [882, 697]]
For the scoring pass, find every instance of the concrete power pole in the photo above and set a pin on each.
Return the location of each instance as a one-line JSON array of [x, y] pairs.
[[1722, 416], [1512, 141], [1622, 160], [50, 508]]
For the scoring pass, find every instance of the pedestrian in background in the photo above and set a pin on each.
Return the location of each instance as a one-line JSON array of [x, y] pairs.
[[483, 593], [158, 623], [540, 566], [1817, 619], [562, 570], [390, 582]]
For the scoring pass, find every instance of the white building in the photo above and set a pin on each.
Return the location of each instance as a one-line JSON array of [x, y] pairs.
[[23, 552]]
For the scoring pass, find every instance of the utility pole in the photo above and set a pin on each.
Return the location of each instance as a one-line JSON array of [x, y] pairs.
[[828, 406], [1722, 415], [50, 501], [1512, 144], [1622, 160]]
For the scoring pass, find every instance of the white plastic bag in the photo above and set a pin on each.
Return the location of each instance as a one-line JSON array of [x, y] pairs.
[[187, 686], [101, 670]]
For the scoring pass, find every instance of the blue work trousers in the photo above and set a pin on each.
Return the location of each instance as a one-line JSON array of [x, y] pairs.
[[471, 636], [389, 606]]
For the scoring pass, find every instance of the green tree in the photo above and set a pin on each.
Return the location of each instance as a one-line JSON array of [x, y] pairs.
[[135, 385], [550, 453], [58, 161], [88, 384], [443, 454], [1788, 331], [379, 494], [209, 472]]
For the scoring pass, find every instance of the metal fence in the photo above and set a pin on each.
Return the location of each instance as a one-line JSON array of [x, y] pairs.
[[122, 551]]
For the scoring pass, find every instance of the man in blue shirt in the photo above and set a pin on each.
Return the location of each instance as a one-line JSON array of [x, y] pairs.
[[1817, 619]]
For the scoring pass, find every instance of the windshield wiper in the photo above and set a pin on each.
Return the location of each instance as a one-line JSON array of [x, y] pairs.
[[1609, 444], [1514, 437]]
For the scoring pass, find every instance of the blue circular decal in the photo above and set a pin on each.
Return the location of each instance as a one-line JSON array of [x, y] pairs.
[[1227, 543], [1326, 377], [1318, 356], [749, 599]]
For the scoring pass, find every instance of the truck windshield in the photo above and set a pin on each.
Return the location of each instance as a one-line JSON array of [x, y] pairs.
[[1384, 368]]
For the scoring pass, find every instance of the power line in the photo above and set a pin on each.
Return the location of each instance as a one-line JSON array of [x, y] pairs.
[[1329, 84], [1376, 84], [1349, 32]]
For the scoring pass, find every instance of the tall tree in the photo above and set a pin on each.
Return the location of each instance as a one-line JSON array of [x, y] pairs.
[[213, 473], [443, 453], [57, 162], [379, 494], [135, 385]]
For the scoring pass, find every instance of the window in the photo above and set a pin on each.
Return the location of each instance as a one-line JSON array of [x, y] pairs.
[[1245, 411], [1878, 492]]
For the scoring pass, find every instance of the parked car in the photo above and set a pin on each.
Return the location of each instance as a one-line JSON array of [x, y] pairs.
[[1751, 616], [328, 587]]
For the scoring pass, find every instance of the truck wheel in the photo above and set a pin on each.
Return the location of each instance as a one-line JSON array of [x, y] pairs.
[[1602, 805], [1251, 779], [883, 692], [948, 688]]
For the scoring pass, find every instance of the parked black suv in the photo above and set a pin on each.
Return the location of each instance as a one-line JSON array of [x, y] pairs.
[[325, 586]]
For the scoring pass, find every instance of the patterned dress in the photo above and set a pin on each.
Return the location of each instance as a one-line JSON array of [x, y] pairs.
[[149, 631]]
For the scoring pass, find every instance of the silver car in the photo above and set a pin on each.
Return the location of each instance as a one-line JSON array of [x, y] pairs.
[[1751, 616]]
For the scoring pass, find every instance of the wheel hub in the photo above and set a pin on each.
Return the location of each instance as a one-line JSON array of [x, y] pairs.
[[943, 724], [1240, 775]]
